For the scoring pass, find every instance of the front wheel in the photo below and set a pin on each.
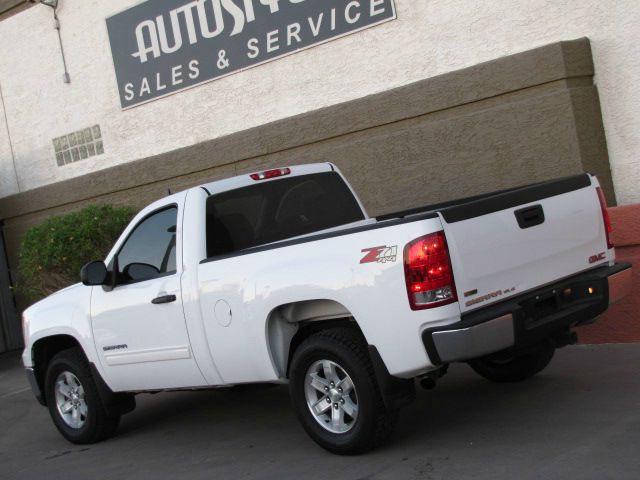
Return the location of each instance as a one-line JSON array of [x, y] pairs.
[[73, 399], [335, 393], [503, 367]]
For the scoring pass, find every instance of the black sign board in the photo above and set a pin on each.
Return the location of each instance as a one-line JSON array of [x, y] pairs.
[[162, 46]]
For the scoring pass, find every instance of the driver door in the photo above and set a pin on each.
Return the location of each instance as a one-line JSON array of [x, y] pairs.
[[139, 326]]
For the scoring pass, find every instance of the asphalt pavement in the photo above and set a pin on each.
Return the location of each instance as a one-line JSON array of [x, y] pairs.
[[579, 419]]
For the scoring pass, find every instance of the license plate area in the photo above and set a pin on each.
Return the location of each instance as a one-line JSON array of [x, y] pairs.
[[546, 306]]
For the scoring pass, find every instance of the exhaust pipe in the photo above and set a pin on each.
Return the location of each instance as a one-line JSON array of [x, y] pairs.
[[428, 383], [429, 380]]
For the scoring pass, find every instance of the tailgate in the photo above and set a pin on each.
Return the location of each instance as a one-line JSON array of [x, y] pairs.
[[507, 243]]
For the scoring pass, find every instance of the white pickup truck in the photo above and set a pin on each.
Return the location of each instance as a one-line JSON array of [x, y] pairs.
[[280, 276]]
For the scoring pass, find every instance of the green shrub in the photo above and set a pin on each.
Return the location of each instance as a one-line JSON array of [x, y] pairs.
[[53, 252]]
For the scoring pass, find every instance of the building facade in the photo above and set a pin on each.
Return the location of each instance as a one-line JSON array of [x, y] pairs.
[[417, 101]]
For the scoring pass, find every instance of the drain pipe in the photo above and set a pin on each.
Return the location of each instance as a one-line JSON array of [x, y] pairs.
[[56, 24]]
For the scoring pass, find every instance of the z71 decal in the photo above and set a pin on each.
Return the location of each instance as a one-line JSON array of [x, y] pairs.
[[380, 254]]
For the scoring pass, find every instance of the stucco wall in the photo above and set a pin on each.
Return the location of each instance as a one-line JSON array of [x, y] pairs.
[[430, 37]]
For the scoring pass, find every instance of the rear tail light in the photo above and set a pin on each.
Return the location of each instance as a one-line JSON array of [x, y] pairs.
[[428, 273], [277, 172], [608, 228]]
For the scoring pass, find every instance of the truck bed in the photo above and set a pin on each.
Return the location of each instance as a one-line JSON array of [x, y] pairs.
[[508, 242]]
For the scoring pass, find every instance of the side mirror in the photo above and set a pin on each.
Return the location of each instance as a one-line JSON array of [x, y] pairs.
[[93, 273]]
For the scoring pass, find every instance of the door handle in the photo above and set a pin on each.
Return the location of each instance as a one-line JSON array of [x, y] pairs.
[[163, 299], [530, 216]]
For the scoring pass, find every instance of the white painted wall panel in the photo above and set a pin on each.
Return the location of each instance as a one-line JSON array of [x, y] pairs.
[[430, 37]]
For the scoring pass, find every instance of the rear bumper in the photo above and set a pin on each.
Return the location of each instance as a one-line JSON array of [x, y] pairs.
[[524, 320]]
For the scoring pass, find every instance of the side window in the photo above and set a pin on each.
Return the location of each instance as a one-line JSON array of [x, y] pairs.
[[150, 250]]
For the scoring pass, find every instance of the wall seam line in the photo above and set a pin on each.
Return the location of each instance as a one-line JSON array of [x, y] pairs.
[[6, 125]]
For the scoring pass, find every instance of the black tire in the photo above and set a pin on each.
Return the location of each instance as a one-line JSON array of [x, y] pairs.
[[374, 423], [97, 424], [503, 367]]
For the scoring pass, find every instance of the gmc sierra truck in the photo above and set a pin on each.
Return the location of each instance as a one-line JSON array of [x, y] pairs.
[[281, 276]]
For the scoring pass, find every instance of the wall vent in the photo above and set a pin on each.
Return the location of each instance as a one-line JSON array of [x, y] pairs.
[[78, 145]]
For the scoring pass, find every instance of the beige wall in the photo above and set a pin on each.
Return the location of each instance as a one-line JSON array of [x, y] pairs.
[[430, 37]]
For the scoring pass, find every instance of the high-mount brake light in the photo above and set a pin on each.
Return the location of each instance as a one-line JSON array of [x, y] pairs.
[[428, 273], [608, 228], [276, 172]]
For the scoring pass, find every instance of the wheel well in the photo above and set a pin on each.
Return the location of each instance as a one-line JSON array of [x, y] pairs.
[[309, 328], [44, 350], [290, 324]]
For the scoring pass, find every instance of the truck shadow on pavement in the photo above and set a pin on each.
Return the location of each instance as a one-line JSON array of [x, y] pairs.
[[577, 419], [461, 405]]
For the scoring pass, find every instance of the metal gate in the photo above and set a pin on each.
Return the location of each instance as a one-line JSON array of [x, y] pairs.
[[10, 328]]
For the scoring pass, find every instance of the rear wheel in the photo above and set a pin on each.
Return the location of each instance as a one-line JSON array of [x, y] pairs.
[[503, 367], [335, 394], [73, 400]]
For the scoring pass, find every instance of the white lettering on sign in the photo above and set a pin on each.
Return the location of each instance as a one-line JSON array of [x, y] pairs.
[[176, 78], [349, 16], [162, 47], [154, 38]]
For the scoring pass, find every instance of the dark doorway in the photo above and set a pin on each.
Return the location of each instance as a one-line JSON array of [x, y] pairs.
[[10, 328]]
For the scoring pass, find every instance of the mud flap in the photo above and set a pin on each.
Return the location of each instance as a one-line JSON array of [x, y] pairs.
[[396, 392], [115, 403]]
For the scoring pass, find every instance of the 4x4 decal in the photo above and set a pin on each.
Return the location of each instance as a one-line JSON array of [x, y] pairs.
[[380, 254]]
